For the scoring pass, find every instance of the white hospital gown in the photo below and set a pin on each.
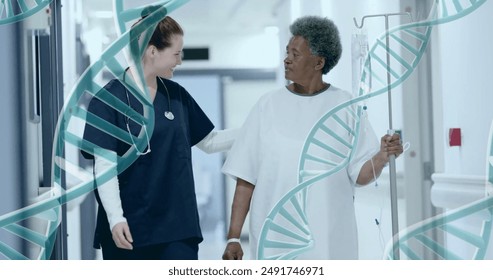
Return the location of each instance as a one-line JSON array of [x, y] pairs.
[[267, 154]]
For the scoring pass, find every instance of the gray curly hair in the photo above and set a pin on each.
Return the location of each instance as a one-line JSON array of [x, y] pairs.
[[322, 36]]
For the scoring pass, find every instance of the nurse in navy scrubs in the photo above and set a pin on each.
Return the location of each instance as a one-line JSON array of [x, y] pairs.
[[149, 211]]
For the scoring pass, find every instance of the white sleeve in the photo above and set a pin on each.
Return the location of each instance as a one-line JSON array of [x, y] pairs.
[[243, 160], [218, 140], [109, 191], [368, 145]]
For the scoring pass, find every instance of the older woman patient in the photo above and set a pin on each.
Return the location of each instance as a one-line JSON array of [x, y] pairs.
[[264, 159]]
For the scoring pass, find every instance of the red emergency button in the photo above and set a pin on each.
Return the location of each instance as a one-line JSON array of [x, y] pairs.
[[454, 137]]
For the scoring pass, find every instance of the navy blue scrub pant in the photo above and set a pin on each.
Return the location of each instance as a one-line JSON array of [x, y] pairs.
[[178, 250]]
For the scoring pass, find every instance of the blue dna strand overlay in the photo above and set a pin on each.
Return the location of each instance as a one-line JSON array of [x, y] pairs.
[[419, 241], [286, 231], [37, 223], [16, 10]]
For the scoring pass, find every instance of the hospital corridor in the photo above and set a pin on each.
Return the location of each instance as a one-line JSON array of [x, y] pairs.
[[418, 69]]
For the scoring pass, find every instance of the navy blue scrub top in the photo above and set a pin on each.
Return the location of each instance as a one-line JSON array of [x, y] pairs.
[[157, 190]]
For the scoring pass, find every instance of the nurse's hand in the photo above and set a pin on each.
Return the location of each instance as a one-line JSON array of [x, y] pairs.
[[233, 251], [121, 236]]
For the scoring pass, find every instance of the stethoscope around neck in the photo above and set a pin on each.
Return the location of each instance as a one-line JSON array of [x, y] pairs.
[[168, 114], [144, 126]]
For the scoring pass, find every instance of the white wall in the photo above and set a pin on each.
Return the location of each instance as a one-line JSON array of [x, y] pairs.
[[462, 82], [462, 99]]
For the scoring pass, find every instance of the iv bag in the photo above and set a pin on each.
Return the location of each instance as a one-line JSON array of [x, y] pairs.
[[359, 53]]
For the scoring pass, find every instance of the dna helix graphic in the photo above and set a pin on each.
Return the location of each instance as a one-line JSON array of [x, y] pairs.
[[286, 232], [420, 240], [9, 8], [37, 223]]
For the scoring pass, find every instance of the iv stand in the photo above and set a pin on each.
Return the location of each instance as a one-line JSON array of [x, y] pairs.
[[393, 187]]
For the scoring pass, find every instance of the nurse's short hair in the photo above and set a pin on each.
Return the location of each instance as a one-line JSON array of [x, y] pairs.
[[322, 36]]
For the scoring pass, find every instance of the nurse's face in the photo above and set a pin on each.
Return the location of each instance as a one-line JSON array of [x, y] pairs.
[[299, 64], [167, 59]]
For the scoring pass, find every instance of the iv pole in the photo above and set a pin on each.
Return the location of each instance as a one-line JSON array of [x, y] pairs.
[[393, 187]]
